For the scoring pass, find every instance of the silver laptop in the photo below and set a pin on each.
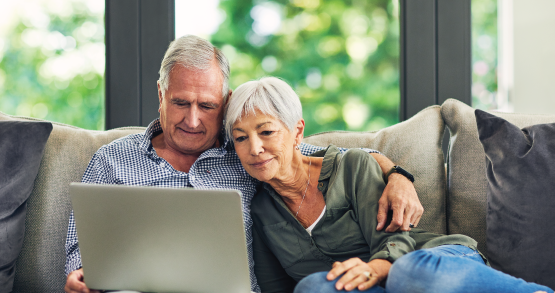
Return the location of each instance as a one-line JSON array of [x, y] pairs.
[[154, 239]]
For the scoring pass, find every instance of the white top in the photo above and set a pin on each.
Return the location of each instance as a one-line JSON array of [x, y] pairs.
[[309, 229]]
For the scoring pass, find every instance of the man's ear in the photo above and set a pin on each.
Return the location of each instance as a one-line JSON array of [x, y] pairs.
[[160, 98], [300, 131]]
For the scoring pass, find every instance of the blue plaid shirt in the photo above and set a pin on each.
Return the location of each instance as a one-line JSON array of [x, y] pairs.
[[132, 160]]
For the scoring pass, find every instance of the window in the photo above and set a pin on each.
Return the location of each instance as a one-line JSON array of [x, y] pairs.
[[484, 56], [52, 60], [341, 57]]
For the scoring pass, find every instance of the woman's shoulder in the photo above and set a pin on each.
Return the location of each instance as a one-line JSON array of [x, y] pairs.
[[355, 158]]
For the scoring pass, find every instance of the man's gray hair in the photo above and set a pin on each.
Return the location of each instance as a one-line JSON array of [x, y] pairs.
[[193, 52], [271, 96]]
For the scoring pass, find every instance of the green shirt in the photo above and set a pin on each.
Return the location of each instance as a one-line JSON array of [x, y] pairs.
[[352, 184]]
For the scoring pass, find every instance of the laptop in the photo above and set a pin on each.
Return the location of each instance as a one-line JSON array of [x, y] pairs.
[[154, 239]]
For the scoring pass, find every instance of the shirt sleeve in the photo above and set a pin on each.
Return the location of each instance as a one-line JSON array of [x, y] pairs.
[[269, 273], [96, 172], [366, 175], [308, 149]]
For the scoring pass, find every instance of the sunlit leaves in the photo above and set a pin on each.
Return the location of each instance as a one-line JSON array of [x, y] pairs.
[[341, 57]]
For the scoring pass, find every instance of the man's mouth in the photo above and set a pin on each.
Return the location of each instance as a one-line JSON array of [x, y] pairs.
[[189, 132]]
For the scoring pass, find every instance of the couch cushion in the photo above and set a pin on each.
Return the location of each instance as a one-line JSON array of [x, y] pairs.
[[466, 168], [521, 197], [40, 266], [415, 145], [21, 148]]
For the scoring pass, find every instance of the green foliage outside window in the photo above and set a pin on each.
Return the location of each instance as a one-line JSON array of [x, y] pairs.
[[52, 61], [340, 56], [484, 54]]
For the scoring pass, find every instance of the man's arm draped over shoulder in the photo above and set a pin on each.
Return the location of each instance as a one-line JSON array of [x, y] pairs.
[[399, 194]]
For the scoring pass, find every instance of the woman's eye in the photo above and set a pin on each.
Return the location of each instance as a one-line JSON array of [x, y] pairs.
[[240, 139], [267, 132]]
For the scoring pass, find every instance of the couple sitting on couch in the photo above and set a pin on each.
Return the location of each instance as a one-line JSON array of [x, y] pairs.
[[312, 214]]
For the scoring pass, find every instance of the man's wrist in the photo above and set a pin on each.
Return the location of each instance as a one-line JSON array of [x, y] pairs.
[[398, 171]]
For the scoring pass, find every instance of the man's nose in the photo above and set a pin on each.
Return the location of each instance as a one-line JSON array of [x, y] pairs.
[[192, 117]]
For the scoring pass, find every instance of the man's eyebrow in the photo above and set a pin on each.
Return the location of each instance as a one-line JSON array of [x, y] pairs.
[[178, 100], [210, 104]]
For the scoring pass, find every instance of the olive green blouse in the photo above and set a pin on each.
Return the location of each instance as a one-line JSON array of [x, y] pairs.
[[352, 184]]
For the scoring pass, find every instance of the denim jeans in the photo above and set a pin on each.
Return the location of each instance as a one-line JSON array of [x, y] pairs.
[[443, 269]]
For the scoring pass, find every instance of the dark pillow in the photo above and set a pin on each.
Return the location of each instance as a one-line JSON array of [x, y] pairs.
[[520, 168], [21, 148]]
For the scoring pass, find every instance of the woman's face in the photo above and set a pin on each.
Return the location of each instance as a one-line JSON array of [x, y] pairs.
[[265, 145]]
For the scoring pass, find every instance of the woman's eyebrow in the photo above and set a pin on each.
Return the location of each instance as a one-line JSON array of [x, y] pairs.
[[262, 124]]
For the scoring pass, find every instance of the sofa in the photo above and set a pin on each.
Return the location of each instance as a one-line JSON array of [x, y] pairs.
[[452, 187]]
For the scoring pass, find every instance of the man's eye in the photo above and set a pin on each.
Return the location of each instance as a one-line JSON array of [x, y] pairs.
[[240, 139], [208, 106]]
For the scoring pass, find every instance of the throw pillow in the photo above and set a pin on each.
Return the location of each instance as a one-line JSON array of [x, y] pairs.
[[21, 148], [520, 168]]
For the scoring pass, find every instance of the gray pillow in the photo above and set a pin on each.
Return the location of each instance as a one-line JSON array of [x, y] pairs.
[[21, 148], [520, 170]]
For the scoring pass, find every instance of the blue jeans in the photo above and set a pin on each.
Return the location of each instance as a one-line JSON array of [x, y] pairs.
[[445, 269]]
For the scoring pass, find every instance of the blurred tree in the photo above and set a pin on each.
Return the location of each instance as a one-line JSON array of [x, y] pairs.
[[52, 60], [340, 56], [484, 54]]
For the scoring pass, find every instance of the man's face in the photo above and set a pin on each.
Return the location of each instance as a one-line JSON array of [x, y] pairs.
[[191, 111]]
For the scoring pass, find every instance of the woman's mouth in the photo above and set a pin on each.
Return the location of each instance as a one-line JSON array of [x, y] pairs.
[[260, 163]]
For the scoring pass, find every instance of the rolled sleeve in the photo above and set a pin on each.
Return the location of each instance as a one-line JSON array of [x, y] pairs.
[[395, 247]]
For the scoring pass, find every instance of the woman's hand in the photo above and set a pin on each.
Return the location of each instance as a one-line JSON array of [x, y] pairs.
[[359, 274]]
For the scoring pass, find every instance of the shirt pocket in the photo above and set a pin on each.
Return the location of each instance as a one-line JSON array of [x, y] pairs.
[[283, 241], [342, 232]]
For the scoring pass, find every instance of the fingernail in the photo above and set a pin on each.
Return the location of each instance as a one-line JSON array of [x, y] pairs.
[[348, 287]]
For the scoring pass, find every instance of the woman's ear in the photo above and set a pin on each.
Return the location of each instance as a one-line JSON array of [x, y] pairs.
[[299, 135]]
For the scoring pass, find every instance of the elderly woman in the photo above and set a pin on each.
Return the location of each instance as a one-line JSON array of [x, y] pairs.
[[318, 213]]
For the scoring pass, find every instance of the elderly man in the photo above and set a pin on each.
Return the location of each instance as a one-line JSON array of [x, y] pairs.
[[186, 147]]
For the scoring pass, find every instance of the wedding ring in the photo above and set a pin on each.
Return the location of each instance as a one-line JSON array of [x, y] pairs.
[[367, 275], [411, 226]]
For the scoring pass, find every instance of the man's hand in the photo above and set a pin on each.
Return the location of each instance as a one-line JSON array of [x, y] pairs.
[[75, 283], [359, 274], [399, 195]]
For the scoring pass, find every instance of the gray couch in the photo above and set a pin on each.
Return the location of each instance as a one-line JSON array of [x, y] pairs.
[[453, 193]]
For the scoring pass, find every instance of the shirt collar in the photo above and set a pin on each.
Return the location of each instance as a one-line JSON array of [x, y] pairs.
[[328, 164]]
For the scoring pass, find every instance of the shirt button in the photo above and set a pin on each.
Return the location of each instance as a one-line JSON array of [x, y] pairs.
[[392, 244], [321, 184]]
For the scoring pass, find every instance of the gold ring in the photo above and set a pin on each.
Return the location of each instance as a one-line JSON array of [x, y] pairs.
[[367, 275]]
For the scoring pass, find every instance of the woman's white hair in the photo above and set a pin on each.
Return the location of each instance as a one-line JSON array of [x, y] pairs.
[[271, 96], [193, 52]]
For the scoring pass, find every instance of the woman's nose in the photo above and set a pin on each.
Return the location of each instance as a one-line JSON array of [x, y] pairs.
[[257, 146]]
